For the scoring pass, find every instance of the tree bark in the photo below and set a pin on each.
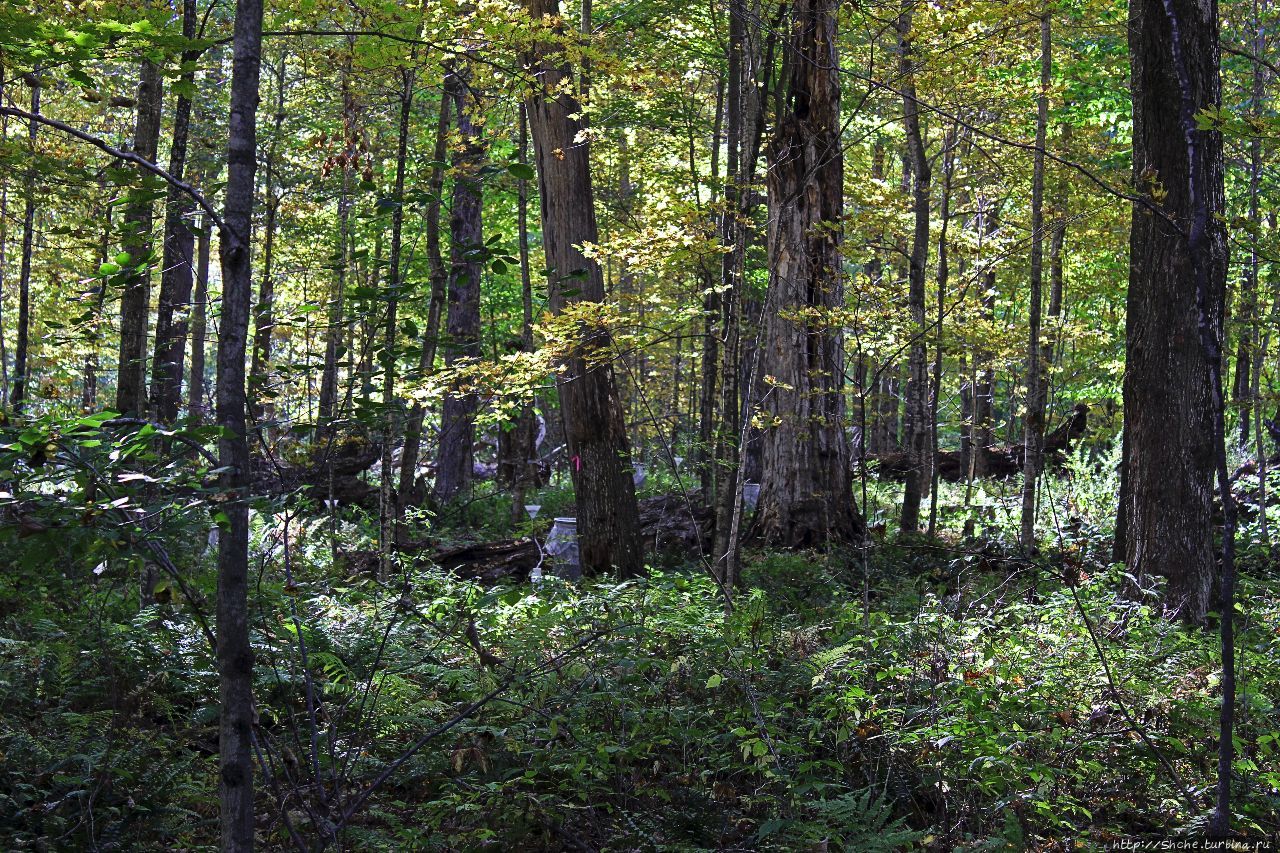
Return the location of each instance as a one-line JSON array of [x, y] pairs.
[[431, 335], [179, 245], [598, 451], [20, 354], [327, 405], [917, 411], [1033, 426], [806, 496], [135, 301], [1168, 398], [454, 465], [264, 313], [235, 655], [199, 328], [388, 510]]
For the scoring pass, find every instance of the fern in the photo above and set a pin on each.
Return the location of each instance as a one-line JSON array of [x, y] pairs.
[[854, 820]]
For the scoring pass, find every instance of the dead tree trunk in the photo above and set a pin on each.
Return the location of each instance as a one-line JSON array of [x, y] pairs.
[[806, 494]]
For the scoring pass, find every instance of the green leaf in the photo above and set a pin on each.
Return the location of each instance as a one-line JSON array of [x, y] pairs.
[[523, 171]]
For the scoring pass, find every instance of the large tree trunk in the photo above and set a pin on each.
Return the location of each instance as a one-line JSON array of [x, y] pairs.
[[1168, 402], [599, 454], [179, 245], [135, 301], [235, 655], [806, 495], [1033, 431], [457, 423], [917, 426]]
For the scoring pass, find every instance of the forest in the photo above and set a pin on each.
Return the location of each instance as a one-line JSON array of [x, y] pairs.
[[639, 425]]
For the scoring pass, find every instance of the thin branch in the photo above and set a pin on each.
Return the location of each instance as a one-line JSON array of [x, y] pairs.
[[129, 156]]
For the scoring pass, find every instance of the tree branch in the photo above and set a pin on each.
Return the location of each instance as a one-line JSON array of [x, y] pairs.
[[129, 156]]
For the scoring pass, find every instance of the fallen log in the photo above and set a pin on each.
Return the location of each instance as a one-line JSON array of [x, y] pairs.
[[1000, 461]]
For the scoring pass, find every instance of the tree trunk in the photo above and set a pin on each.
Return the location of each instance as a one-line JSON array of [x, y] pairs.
[[235, 655], [388, 512], [984, 395], [431, 335], [327, 405], [199, 328], [466, 266], [806, 497], [20, 356], [723, 471], [264, 313], [943, 278], [1033, 427], [917, 409], [179, 245], [524, 445], [598, 451], [135, 301], [1168, 399]]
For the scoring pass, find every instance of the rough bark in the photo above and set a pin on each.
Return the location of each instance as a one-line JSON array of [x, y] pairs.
[[599, 454], [1167, 389], [806, 495]]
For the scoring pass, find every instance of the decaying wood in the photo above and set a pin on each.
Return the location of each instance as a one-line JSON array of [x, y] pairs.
[[1001, 460], [332, 474]]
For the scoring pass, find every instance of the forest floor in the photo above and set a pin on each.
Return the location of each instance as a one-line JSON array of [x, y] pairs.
[[943, 694]]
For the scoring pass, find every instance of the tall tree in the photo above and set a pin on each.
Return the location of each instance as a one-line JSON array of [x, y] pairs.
[[599, 453], [466, 266], [1177, 248], [199, 319], [408, 484], [179, 248], [235, 655], [916, 427], [20, 355], [806, 493], [387, 504], [1033, 426], [264, 312], [135, 300]]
